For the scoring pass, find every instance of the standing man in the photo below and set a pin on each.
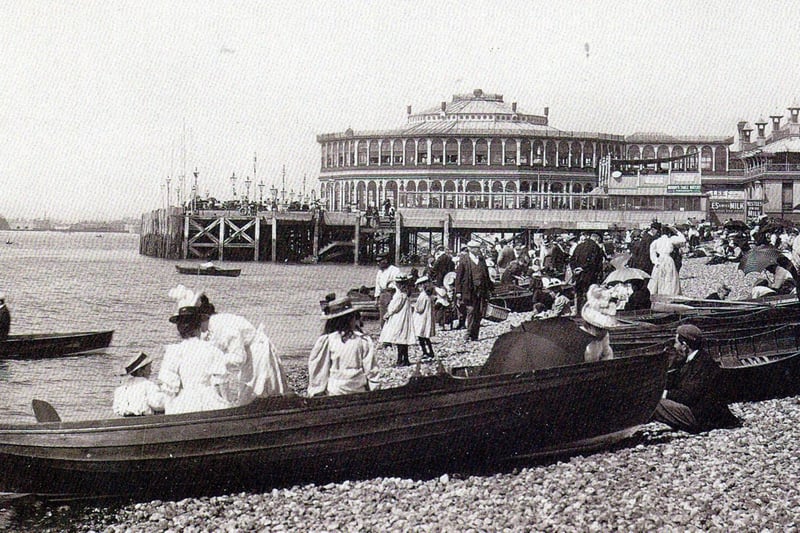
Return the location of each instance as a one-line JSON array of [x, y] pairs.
[[5, 317], [384, 284], [442, 264], [640, 253], [473, 287], [587, 266], [692, 403]]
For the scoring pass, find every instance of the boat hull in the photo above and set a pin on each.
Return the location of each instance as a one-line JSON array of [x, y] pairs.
[[209, 271], [50, 345], [432, 423]]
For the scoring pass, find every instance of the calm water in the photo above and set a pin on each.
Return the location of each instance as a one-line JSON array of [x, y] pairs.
[[58, 282]]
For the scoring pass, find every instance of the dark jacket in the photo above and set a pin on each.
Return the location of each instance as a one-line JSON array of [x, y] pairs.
[[473, 281], [640, 253], [441, 266], [5, 321], [698, 385]]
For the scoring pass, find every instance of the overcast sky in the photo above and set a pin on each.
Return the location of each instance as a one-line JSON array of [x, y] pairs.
[[95, 97]]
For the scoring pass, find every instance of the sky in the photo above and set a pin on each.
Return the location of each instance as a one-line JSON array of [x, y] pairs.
[[102, 101]]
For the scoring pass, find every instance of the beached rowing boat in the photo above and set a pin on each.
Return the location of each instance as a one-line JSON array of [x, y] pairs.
[[457, 420]]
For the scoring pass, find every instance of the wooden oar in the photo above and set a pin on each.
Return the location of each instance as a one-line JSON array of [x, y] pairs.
[[44, 412]]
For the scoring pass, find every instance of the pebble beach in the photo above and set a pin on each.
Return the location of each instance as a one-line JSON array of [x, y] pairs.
[[741, 479]]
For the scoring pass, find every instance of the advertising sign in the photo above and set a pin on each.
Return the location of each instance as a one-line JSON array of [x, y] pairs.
[[683, 189], [726, 206]]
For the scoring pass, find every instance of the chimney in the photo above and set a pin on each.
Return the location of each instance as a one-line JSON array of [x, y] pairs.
[[546, 111], [444, 107], [513, 107], [793, 113], [408, 110], [746, 129], [761, 126], [776, 122]]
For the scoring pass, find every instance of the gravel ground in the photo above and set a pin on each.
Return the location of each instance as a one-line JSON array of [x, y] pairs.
[[725, 480]]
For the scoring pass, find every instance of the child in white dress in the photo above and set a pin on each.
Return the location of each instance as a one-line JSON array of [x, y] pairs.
[[424, 324]]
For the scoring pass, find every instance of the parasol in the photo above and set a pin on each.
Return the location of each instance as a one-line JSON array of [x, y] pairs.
[[760, 258], [626, 274], [736, 225]]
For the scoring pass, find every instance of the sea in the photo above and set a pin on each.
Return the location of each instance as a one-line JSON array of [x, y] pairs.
[[62, 282]]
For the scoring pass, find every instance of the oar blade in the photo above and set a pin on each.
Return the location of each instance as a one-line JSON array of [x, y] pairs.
[[44, 412]]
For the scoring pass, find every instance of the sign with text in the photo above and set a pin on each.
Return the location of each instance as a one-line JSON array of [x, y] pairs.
[[683, 189], [726, 206]]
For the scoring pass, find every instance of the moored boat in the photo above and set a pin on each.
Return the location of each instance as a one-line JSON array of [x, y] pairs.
[[205, 270], [513, 297], [451, 420], [49, 345]]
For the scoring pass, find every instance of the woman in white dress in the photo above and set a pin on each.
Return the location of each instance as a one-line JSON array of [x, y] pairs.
[[664, 279], [343, 358], [193, 370]]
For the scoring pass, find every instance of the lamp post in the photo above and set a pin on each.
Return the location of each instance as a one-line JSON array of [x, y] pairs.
[[233, 185], [194, 190], [246, 199], [261, 192], [274, 195], [169, 201]]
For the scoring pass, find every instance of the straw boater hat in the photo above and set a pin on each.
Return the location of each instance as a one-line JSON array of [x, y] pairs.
[[598, 310], [421, 280], [136, 363], [338, 307], [473, 244]]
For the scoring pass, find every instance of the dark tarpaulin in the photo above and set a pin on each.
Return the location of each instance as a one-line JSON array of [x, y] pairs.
[[538, 344]]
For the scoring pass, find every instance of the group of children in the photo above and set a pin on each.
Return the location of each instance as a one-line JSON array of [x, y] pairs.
[[405, 324]]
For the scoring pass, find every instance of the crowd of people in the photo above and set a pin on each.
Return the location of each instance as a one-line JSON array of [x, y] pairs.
[[222, 360]]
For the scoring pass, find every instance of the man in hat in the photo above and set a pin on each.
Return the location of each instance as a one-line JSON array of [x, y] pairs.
[[138, 395], [442, 264], [384, 284], [640, 251], [587, 266], [5, 317], [693, 401], [473, 287]]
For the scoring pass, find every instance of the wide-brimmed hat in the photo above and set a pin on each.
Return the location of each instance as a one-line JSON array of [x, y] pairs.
[[402, 278], [598, 310], [473, 244], [190, 304], [137, 362], [420, 281], [338, 307]]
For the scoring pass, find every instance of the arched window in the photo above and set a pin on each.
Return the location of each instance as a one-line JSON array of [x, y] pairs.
[[563, 154], [706, 158], [497, 152], [663, 153], [633, 152], [720, 158], [437, 152], [412, 199], [481, 152], [678, 164]]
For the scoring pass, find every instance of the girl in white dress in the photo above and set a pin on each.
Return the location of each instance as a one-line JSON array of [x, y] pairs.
[[343, 358], [424, 324], [399, 326]]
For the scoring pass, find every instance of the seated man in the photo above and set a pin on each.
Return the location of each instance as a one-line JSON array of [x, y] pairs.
[[693, 402], [5, 318]]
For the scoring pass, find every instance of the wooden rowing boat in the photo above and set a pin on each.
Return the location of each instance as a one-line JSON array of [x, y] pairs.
[[452, 420], [49, 345], [201, 270]]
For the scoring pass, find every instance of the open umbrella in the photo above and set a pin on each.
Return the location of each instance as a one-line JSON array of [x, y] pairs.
[[736, 225], [626, 274], [760, 258]]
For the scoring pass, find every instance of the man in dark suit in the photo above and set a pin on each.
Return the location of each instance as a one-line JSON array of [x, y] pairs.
[[640, 251], [692, 402], [473, 287], [587, 266], [442, 264]]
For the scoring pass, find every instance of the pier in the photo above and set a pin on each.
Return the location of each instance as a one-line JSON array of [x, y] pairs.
[[320, 236]]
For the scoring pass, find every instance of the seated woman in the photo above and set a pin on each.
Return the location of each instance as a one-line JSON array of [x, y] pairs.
[[138, 395], [193, 370], [343, 358], [253, 368]]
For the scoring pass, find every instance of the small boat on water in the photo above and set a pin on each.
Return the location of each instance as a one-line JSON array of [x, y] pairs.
[[50, 345], [453, 420], [208, 269]]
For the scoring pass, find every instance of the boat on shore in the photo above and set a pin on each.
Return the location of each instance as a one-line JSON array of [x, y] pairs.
[[208, 269], [51, 345], [453, 420]]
